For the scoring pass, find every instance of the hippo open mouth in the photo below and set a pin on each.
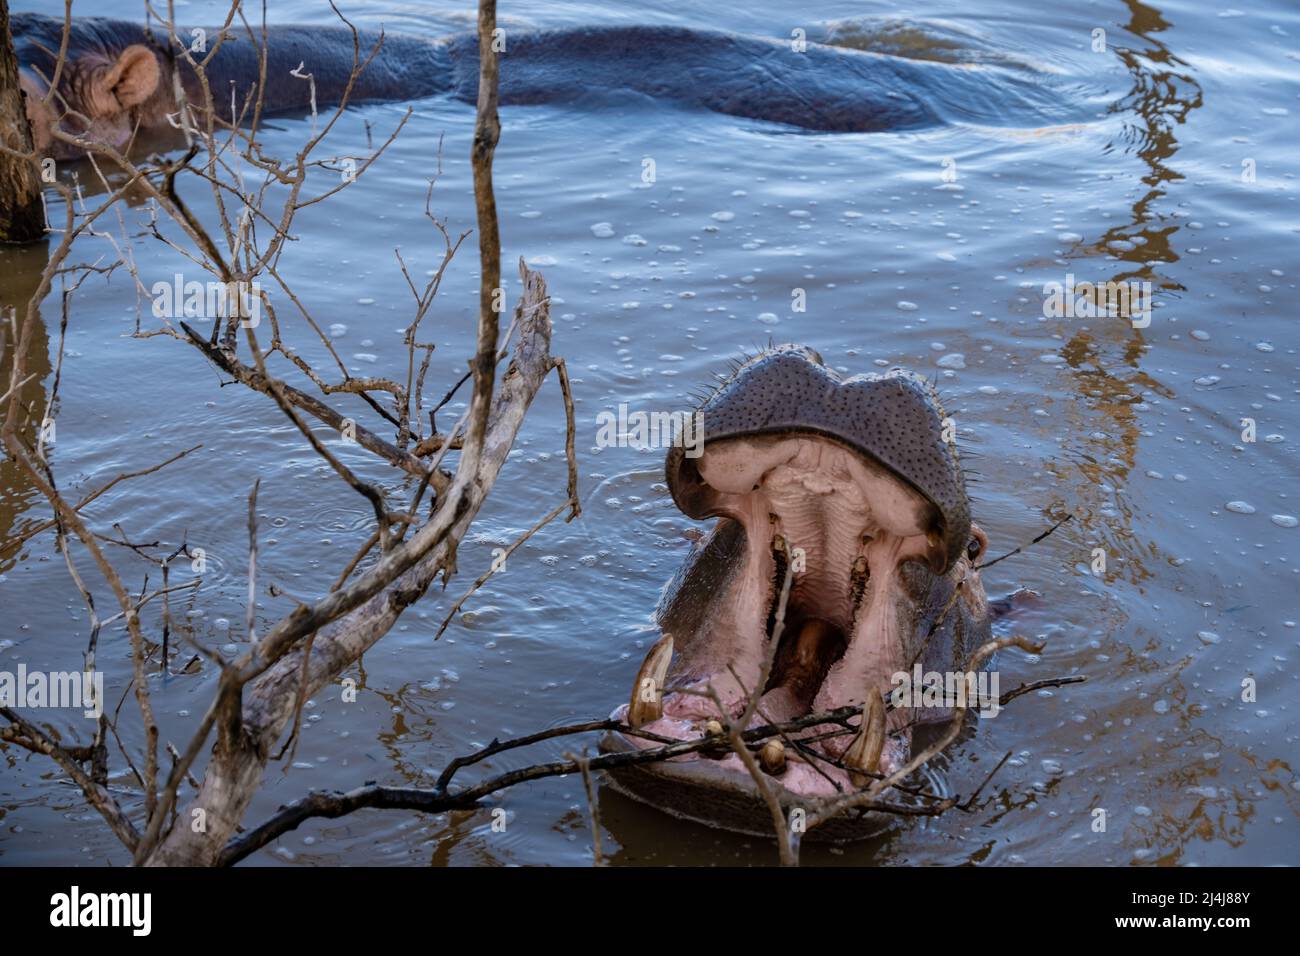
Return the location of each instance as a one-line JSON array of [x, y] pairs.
[[850, 490]]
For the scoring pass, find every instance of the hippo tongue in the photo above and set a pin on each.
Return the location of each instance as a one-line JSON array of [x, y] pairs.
[[802, 660]]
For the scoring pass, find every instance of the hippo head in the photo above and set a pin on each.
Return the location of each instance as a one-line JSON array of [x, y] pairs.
[[96, 99], [852, 488]]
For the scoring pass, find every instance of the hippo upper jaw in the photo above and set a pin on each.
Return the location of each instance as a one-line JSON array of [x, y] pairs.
[[894, 422]]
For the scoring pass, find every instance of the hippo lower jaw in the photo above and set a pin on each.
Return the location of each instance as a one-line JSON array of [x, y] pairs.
[[876, 585]]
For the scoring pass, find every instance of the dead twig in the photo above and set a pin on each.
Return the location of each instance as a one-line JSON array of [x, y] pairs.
[[441, 798], [1003, 557], [593, 805]]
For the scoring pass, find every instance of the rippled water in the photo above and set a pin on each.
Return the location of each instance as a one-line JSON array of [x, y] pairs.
[[1136, 432]]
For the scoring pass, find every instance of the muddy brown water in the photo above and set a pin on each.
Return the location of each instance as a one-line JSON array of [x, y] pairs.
[[1136, 432]]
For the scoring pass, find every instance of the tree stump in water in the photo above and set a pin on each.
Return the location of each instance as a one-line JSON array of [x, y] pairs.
[[22, 216]]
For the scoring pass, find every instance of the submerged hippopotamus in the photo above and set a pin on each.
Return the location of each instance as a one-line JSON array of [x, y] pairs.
[[122, 76], [853, 478]]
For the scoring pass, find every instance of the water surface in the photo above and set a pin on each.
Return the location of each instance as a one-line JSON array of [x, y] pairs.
[[1135, 432]]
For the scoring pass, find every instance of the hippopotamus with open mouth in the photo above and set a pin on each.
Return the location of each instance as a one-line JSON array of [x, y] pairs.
[[122, 77], [853, 479]]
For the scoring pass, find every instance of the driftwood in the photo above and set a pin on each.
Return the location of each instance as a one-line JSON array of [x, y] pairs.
[[351, 620]]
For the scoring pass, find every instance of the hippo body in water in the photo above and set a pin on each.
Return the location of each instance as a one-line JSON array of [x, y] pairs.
[[853, 481], [119, 74]]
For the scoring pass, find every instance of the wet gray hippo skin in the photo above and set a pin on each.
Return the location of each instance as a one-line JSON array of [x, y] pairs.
[[851, 480], [826, 88]]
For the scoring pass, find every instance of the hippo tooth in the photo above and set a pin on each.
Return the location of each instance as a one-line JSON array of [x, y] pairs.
[[722, 746], [771, 756], [648, 689], [864, 752]]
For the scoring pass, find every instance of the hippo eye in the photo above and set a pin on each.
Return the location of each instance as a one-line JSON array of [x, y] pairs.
[[973, 549]]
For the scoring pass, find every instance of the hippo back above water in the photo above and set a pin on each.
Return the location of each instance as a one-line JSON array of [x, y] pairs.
[[120, 75]]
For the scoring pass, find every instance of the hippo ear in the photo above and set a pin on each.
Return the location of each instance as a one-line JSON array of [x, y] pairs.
[[132, 79]]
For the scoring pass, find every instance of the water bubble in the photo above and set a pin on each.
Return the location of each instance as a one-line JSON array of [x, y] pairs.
[[1240, 507]]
